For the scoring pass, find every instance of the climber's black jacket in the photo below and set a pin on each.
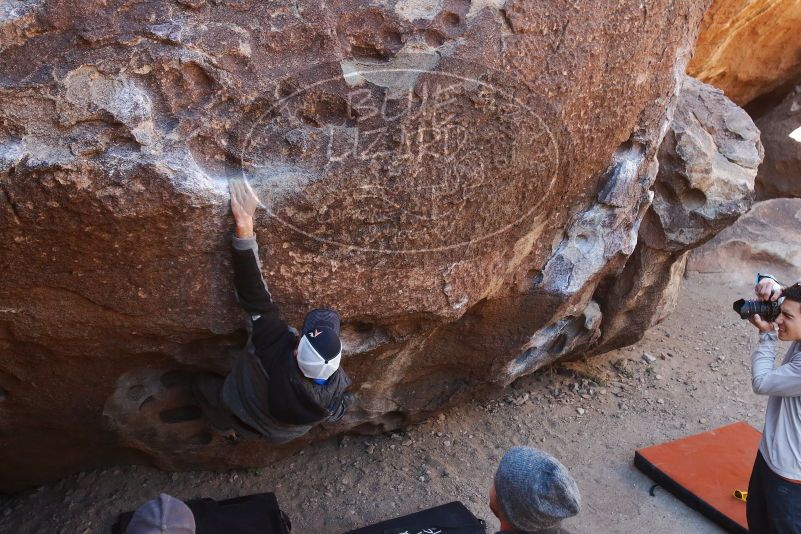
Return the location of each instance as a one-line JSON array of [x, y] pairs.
[[266, 389]]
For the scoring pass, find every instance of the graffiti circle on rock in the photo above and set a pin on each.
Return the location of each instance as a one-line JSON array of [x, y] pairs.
[[400, 160]]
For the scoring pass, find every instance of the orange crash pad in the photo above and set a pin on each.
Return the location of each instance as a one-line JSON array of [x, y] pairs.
[[704, 470]]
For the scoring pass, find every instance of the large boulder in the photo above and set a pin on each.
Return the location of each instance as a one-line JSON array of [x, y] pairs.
[[454, 177], [780, 174], [748, 48], [765, 240], [707, 165]]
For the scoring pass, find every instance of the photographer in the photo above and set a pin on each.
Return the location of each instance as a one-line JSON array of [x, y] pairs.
[[774, 491]]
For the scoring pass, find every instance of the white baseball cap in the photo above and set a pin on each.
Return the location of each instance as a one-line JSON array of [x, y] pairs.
[[320, 349]]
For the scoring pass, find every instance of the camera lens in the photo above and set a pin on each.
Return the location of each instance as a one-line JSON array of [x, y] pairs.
[[768, 310]]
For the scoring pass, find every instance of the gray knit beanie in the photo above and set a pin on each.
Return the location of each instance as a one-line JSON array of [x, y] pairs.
[[534, 491], [165, 515]]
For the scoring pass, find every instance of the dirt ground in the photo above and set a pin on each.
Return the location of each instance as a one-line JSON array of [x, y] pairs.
[[591, 415]]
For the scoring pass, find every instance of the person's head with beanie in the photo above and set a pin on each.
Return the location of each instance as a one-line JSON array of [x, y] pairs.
[[319, 350], [532, 491], [164, 515]]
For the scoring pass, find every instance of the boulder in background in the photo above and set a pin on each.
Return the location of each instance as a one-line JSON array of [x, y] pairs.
[[765, 240], [748, 48], [780, 173]]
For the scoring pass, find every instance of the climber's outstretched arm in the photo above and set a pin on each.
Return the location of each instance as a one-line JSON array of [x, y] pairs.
[[251, 290]]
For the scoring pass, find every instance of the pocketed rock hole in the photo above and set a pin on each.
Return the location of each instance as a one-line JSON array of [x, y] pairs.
[[181, 415], [435, 38], [452, 19], [365, 51], [360, 336], [559, 344], [693, 198], [135, 393], [320, 109], [204, 438], [147, 401], [380, 48]]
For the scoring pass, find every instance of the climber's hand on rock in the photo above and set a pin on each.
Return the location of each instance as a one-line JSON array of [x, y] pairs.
[[243, 205], [760, 323]]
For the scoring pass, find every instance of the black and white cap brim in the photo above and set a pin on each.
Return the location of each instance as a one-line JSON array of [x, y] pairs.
[[312, 364], [321, 317]]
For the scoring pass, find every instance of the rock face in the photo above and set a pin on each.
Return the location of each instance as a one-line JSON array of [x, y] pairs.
[[707, 165], [780, 174], [461, 180], [749, 47], [766, 240]]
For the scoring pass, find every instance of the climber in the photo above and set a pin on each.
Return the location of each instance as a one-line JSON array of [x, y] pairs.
[[532, 493], [285, 383]]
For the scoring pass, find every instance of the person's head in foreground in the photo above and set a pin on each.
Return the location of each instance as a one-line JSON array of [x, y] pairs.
[[789, 320], [164, 515], [319, 350], [532, 491]]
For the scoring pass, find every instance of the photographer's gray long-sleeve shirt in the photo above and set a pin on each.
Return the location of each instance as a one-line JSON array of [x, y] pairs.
[[781, 438]]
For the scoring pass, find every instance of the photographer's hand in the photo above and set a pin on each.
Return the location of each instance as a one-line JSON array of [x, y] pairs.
[[768, 289], [760, 323]]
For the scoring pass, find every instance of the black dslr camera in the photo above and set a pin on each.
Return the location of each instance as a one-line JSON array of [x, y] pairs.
[[769, 310]]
